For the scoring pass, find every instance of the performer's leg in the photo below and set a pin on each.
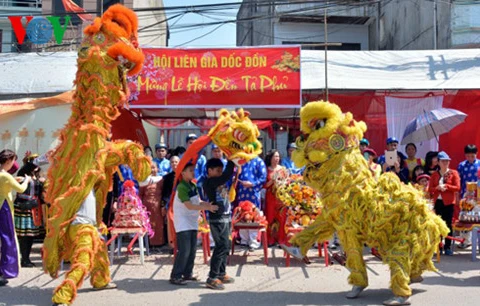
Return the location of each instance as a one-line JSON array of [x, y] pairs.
[[81, 237], [358, 271], [354, 251], [400, 268], [100, 275]]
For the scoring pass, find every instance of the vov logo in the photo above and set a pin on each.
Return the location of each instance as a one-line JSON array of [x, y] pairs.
[[39, 29]]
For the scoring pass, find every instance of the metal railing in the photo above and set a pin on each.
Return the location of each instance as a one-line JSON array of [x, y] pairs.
[[21, 3]]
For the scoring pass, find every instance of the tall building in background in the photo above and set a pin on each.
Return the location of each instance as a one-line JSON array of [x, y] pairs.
[[153, 27], [361, 24]]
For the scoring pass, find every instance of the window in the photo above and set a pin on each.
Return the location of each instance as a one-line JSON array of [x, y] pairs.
[[319, 46], [1, 40], [59, 10], [106, 4]]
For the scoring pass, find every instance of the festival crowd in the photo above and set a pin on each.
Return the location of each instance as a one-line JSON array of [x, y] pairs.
[[205, 186]]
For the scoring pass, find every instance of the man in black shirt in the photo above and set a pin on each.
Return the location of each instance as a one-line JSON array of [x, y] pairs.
[[216, 191]]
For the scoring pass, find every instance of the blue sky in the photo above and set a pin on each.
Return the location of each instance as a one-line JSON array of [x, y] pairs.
[[223, 36]]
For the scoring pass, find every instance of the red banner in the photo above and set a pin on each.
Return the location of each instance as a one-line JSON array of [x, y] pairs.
[[240, 77]]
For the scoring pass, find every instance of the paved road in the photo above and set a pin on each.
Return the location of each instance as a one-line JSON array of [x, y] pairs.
[[456, 283]]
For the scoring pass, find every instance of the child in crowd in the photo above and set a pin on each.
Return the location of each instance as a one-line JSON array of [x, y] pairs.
[[216, 190], [186, 205]]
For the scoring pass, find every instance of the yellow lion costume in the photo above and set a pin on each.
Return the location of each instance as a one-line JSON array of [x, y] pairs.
[[386, 214], [83, 164]]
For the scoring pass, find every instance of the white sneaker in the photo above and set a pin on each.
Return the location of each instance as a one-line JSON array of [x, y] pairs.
[[397, 300], [292, 251], [355, 292]]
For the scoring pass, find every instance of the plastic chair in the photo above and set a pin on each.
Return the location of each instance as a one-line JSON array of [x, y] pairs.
[[262, 230], [139, 233]]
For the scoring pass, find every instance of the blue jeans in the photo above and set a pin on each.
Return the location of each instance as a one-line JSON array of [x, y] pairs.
[[185, 258]]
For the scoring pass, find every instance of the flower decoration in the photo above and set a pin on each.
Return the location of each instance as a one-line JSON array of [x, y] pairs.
[[40, 133], [247, 212], [23, 133], [6, 135], [302, 202]]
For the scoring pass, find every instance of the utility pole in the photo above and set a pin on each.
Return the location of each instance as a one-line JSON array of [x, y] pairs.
[[326, 49], [434, 24]]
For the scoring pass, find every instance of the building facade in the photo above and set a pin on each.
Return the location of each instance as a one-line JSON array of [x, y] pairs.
[[361, 25], [153, 28]]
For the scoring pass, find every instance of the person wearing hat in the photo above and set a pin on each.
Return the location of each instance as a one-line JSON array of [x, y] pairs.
[[217, 153], [467, 170], [287, 161], [370, 156], [364, 143], [201, 162], [392, 144], [163, 164], [423, 180], [443, 186]]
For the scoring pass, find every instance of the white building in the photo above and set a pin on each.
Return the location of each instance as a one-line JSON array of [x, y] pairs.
[[361, 24]]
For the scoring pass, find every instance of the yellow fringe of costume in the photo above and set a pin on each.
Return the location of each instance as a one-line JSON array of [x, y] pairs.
[[387, 215], [85, 159]]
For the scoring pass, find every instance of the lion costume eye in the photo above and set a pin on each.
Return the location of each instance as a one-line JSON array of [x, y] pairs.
[[316, 124]]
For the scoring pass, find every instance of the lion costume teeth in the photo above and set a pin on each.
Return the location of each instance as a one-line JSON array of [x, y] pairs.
[[385, 214], [82, 166], [236, 135]]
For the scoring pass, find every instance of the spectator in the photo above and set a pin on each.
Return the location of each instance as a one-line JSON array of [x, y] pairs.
[[275, 216], [151, 195], [418, 170], [288, 163], [392, 144], [370, 156], [250, 183], [444, 183], [200, 166], [364, 143], [25, 226], [9, 251], [148, 151], [431, 163], [166, 185], [468, 168], [161, 161], [412, 160], [399, 167], [467, 171]]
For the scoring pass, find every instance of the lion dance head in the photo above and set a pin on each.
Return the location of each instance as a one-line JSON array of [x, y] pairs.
[[114, 38], [236, 135], [326, 131]]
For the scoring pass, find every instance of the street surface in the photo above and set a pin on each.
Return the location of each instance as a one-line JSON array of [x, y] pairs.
[[456, 283]]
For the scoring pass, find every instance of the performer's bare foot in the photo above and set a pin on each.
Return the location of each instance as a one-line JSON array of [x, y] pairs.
[[106, 287], [355, 292], [397, 300]]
